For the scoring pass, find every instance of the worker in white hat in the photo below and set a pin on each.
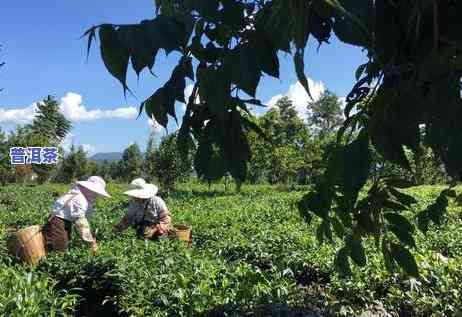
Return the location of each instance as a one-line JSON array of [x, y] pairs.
[[74, 208], [147, 212]]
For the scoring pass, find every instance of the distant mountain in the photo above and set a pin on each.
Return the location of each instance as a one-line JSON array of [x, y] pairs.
[[110, 157]]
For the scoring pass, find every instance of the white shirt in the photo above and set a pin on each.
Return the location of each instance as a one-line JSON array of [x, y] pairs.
[[74, 207]]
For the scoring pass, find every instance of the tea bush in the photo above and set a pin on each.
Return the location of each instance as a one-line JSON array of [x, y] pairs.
[[251, 255]]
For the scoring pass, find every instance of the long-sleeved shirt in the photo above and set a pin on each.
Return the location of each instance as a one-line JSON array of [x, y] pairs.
[[74, 207], [153, 210]]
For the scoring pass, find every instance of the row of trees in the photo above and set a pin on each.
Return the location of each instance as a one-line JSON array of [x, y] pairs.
[[294, 151], [297, 150], [50, 127], [160, 164]]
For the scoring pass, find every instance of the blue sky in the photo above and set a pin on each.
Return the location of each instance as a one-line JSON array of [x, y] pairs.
[[44, 56]]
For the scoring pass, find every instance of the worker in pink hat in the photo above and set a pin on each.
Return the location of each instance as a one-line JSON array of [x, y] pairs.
[[74, 208]]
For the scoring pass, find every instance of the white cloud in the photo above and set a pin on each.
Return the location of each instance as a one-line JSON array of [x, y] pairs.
[[89, 149], [299, 97], [72, 108], [18, 116]]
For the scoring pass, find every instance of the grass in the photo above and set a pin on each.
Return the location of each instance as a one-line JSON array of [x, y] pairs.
[[252, 255]]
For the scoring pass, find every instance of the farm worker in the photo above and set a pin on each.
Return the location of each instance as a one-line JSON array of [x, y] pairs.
[[146, 212], [76, 208]]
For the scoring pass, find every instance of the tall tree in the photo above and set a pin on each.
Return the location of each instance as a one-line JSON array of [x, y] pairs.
[[283, 158], [131, 163], [74, 165], [50, 122], [115, 170], [150, 159], [48, 128], [325, 114], [169, 166]]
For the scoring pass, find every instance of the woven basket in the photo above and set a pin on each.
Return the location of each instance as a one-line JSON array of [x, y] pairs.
[[27, 244], [183, 233]]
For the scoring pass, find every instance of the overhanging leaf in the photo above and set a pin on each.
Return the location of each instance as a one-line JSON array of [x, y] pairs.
[[142, 50], [403, 235], [399, 221], [214, 89], [114, 53], [356, 250], [300, 70], [342, 262], [357, 162], [156, 106], [387, 256], [403, 198], [243, 67], [91, 34], [398, 182], [404, 259], [267, 56], [338, 227]]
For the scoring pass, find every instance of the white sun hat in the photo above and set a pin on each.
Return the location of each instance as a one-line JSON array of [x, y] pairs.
[[96, 184], [141, 189]]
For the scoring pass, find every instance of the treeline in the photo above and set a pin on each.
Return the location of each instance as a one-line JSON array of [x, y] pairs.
[[296, 150], [161, 164], [48, 129], [290, 150]]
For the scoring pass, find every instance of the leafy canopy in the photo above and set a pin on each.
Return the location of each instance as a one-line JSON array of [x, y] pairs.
[[412, 78]]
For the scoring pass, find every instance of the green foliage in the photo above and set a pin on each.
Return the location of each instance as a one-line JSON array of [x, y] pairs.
[[252, 254], [412, 76], [169, 167], [74, 166], [131, 164], [288, 153], [48, 128], [325, 114], [50, 122], [149, 164], [425, 167], [31, 294]]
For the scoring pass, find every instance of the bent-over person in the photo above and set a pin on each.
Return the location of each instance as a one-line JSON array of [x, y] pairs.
[[74, 208], [147, 213]]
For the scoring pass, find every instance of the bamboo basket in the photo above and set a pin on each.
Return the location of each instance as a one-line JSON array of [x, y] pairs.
[[27, 244], [183, 233]]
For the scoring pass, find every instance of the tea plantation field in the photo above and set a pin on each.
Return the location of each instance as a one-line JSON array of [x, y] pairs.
[[252, 255]]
